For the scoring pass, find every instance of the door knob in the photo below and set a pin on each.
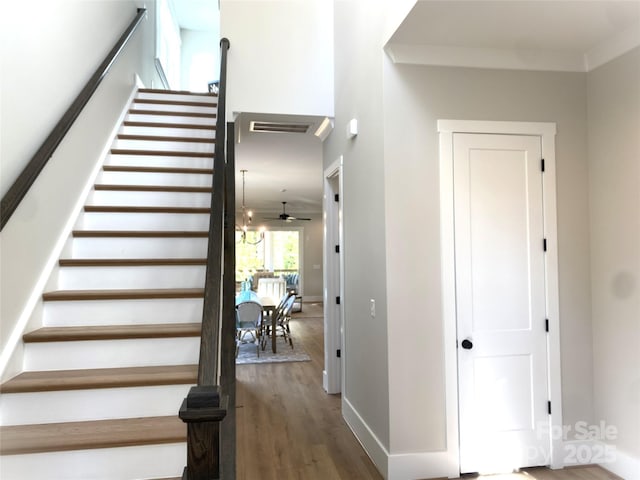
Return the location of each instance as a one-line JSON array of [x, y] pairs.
[[467, 344]]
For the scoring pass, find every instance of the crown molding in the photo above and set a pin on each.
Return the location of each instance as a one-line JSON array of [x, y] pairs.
[[511, 59]]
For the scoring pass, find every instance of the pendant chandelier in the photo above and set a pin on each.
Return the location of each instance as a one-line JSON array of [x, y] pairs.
[[247, 217]]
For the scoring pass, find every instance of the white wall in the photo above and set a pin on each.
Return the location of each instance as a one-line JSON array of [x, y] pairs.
[[281, 56], [47, 56], [200, 57], [614, 187]]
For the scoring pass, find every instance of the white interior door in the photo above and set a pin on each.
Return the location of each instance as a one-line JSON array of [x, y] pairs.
[[500, 302], [333, 275]]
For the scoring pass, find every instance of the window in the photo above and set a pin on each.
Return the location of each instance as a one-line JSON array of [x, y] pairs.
[[279, 253]]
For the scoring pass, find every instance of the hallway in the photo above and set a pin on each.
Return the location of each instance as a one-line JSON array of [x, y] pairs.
[[288, 427]]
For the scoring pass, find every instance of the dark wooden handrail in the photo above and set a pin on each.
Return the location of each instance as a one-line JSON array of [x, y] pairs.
[[210, 406], [27, 177], [209, 346]]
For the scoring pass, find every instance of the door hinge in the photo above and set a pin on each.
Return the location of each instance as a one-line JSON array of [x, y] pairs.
[[337, 300], [546, 324], [549, 407], [337, 248], [544, 244], [336, 197], [542, 164], [338, 353]]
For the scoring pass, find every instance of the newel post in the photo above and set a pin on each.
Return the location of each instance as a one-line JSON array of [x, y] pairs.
[[202, 411]]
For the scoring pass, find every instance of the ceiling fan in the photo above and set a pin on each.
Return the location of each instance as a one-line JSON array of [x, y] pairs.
[[284, 216]]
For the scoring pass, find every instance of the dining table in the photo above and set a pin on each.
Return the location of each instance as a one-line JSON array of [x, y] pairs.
[[268, 308]]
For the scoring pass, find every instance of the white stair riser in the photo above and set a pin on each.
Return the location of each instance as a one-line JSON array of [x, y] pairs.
[[124, 463], [178, 276], [137, 352], [164, 107], [158, 161], [106, 247], [168, 132], [93, 404], [151, 199], [174, 97], [122, 312], [195, 147], [191, 222], [137, 117], [155, 178]]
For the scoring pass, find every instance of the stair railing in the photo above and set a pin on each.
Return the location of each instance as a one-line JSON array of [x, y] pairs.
[[27, 177], [209, 408]]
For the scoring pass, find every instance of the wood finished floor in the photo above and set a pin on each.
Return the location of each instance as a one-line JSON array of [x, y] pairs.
[[289, 428]]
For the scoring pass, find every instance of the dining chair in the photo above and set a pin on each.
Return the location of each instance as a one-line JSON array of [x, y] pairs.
[[282, 322], [272, 287], [248, 322], [265, 331]]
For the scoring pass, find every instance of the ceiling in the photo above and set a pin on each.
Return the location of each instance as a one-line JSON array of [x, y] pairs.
[[559, 35], [554, 35], [280, 166]]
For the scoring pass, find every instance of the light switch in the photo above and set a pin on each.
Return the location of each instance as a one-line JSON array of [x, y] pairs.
[[372, 307]]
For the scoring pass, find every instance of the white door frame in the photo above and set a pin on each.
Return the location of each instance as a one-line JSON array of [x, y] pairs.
[[547, 131], [333, 374]]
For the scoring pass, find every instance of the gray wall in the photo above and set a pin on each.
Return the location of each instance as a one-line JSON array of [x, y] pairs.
[[312, 244], [358, 94], [614, 179], [415, 97]]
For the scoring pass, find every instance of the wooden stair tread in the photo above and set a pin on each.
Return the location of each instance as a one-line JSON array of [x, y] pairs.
[[184, 103], [85, 379], [112, 332], [159, 138], [134, 168], [139, 234], [160, 153], [122, 294], [134, 123], [129, 262], [136, 111], [145, 209], [152, 188], [177, 92], [21, 439]]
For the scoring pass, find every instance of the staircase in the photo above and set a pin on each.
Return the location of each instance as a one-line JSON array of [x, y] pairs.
[[105, 376]]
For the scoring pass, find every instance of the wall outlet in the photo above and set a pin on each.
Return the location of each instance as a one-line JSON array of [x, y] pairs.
[[372, 307]]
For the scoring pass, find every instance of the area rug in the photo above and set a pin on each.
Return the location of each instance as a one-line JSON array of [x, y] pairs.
[[284, 353]]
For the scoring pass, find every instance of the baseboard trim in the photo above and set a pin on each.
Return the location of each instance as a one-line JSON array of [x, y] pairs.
[[419, 465], [312, 298], [402, 466], [624, 465], [369, 441]]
